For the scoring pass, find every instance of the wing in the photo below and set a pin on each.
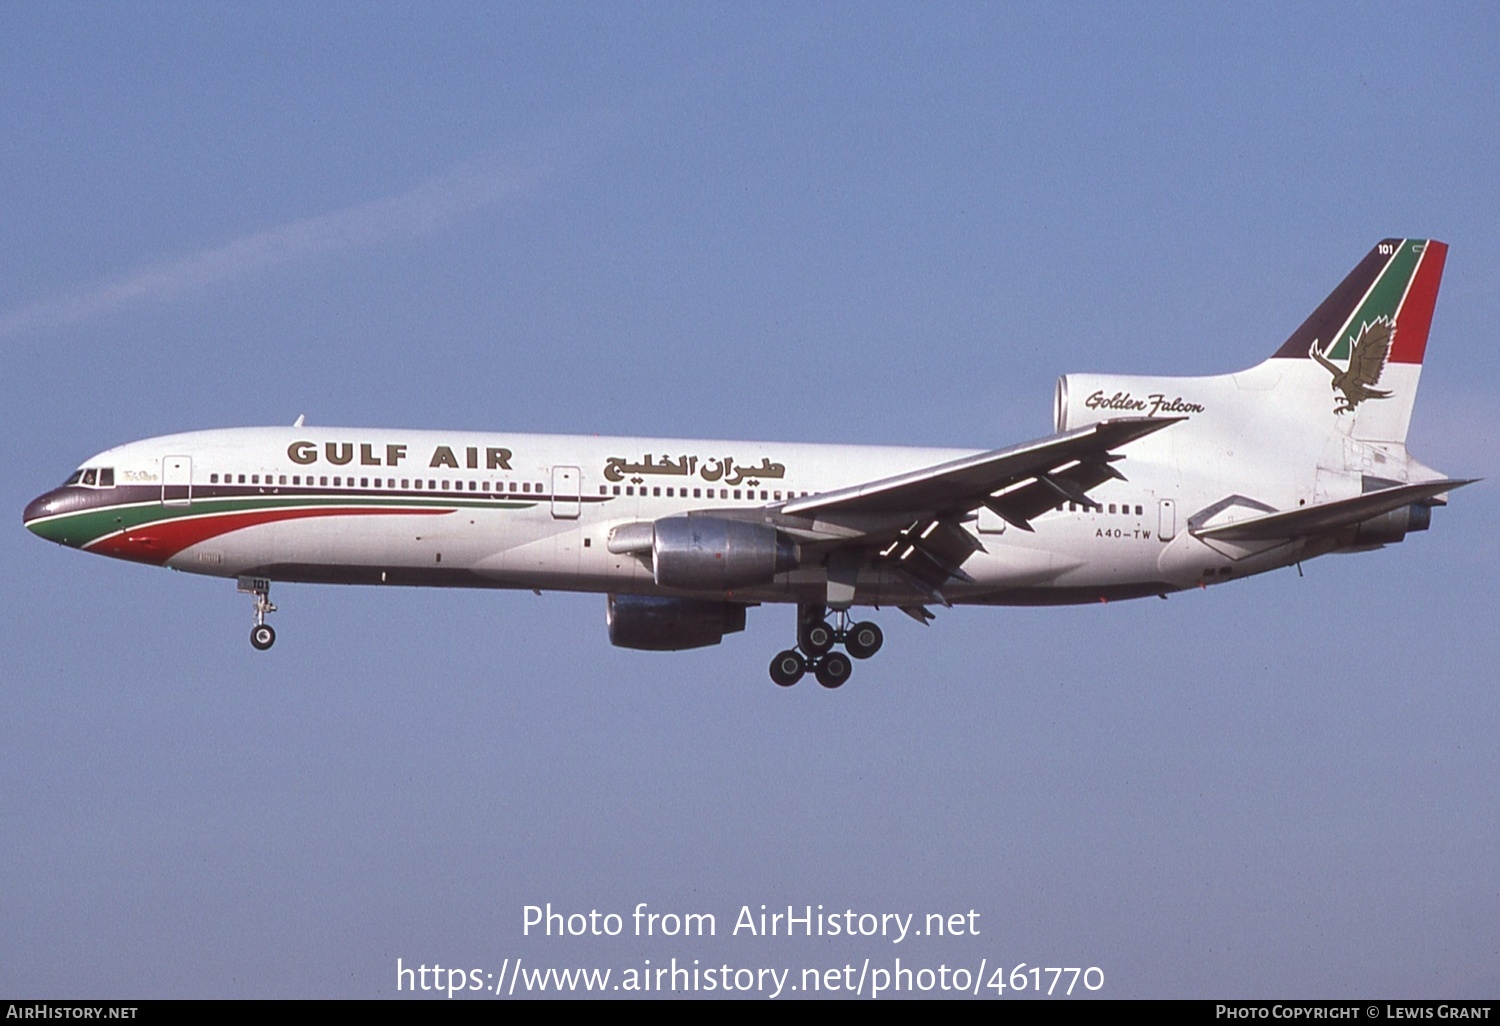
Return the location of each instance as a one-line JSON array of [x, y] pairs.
[[912, 522], [1010, 481]]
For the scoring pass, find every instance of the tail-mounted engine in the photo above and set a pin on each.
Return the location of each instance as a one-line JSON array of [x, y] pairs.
[[1389, 528]]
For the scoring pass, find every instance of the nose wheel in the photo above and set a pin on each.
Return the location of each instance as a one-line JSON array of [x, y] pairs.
[[262, 635], [816, 642]]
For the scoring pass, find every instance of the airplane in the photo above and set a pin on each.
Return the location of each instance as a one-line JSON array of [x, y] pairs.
[[1148, 486]]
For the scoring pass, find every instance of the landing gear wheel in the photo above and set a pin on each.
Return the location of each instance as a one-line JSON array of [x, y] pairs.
[[262, 636], [816, 637], [787, 668], [864, 639], [833, 669]]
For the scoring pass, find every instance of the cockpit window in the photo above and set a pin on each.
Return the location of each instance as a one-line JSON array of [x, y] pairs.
[[92, 477]]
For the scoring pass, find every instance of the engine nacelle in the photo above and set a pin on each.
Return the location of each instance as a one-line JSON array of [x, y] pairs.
[[659, 623], [704, 553], [1083, 399], [1389, 528]]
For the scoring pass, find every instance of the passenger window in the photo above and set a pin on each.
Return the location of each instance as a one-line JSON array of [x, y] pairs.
[[617, 489], [697, 493], [323, 481], [213, 478], [656, 492], [630, 489], [242, 479]]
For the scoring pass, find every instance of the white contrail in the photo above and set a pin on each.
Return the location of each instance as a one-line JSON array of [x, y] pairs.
[[423, 209]]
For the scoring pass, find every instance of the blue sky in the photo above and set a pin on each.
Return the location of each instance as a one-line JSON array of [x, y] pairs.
[[883, 224]]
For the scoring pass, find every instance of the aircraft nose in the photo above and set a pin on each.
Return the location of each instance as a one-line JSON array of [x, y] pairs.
[[41, 507], [37, 508]]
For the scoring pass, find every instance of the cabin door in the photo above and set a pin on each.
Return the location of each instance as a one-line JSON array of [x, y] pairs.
[[565, 494], [1166, 525], [176, 480]]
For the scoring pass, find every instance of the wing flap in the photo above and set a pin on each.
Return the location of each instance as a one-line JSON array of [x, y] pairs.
[[1024, 503]]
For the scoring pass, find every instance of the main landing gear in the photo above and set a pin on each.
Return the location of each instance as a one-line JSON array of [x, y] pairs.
[[816, 639], [262, 635]]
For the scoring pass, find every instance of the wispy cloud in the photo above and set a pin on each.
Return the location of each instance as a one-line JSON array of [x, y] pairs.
[[431, 205]]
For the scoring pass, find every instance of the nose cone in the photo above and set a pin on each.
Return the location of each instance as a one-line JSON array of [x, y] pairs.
[[42, 514], [39, 507]]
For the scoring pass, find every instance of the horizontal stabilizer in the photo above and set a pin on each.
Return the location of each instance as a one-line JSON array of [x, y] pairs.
[[1328, 516]]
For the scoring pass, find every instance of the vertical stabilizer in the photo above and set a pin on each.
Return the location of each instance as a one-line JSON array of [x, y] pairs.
[[1369, 337]]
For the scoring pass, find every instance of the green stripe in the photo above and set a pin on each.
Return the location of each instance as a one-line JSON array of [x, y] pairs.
[[1383, 299], [89, 526]]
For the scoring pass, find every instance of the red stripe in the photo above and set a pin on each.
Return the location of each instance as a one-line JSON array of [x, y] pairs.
[[1415, 316], [156, 543]]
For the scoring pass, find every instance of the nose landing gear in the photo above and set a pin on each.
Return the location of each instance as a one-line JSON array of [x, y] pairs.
[[816, 639], [262, 635]]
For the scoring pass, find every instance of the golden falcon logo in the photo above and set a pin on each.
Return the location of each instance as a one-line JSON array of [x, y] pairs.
[[1367, 356]]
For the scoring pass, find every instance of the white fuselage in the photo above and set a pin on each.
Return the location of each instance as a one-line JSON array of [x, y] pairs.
[[538, 511]]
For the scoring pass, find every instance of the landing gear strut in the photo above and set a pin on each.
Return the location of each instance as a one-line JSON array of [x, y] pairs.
[[816, 639], [262, 635]]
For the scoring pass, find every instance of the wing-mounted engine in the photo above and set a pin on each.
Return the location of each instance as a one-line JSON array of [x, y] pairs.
[[695, 552], [658, 623]]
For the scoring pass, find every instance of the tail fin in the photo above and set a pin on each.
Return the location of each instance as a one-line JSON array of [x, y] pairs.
[[1370, 335], [1351, 369]]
